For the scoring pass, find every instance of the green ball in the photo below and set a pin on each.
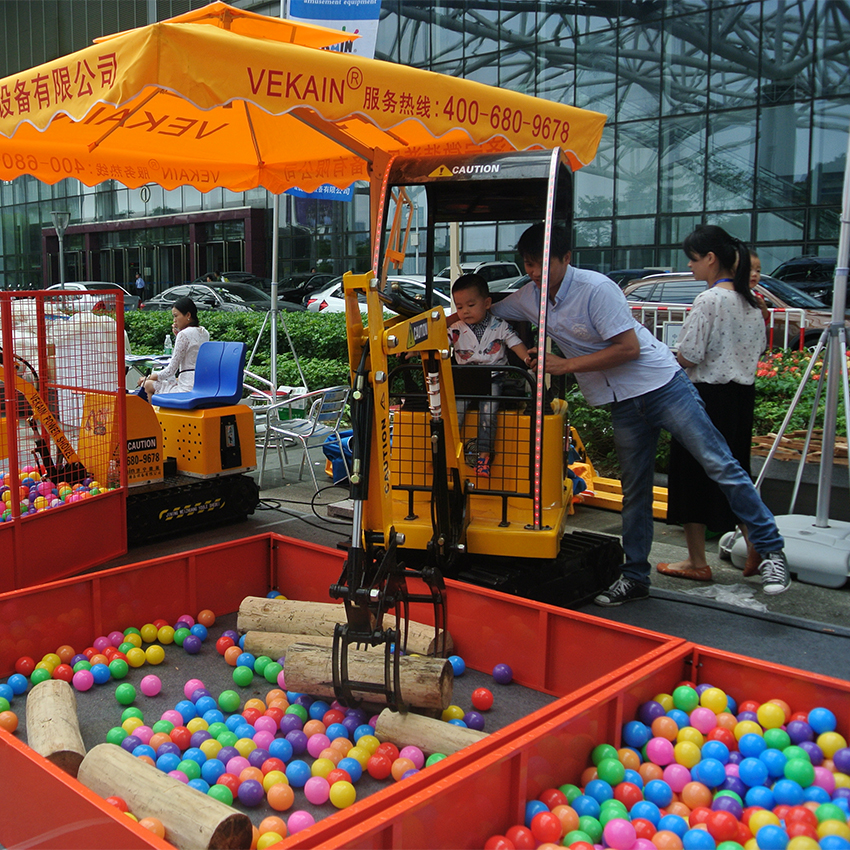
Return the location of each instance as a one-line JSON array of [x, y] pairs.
[[82, 665], [271, 671], [180, 635], [221, 793], [299, 710], [800, 771], [39, 675], [229, 701], [163, 726], [118, 668], [592, 827], [576, 835], [217, 728], [132, 630], [611, 770], [730, 845], [5, 705], [685, 698], [728, 793], [190, 767], [778, 739], [126, 647], [612, 814], [116, 735], [227, 738], [601, 752], [829, 811], [613, 805], [261, 663], [132, 711], [433, 759], [125, 693], [796, 753], [243, 676], [570, 792]]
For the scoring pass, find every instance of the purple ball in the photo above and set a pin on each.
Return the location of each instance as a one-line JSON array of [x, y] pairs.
[[351, 723], [735, 757], [474, 720], [799, 731], [298, 740], [199, 737], [502, 674], [701, 688], [251, 792], [198, 692], [649, 711], [727, 804], [130, 743], [226, 753], [167, 747], [732, 783], [814, 751], [304, 699], [258, 756], [234, 636], [291, 723], [192, 644], [748, 715], [841, 793], [841, 760]]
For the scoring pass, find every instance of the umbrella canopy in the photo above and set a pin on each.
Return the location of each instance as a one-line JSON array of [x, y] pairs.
[[225, 98]]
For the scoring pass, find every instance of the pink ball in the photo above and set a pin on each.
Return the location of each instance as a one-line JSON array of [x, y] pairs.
[[143, 733], [281, 683], [643, 844], [660, 751], [237, 764], [299, 820], [116, 638], [731, 769], [265, 724], [414, 754], [619, 834], [703, 719], [100, 643], [82, 680], [316, 743], [179, 776], [173, 716], [677, 776], [263, 739], [151, 685], [825, 779], [317, 790], [191, 686], [190, 620]]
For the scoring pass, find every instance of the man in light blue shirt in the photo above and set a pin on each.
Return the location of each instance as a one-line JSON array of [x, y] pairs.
[[619, 363]]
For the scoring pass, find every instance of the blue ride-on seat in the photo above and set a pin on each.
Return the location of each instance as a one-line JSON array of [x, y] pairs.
[[218, 378]]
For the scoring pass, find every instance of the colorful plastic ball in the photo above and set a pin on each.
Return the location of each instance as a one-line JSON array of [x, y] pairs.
[[503, 674], [229, 701], [125, 693], [206, 617], [280, 797], [165, 634], [317, 790], [660, 751], [474, 720], [221, 793], [698, 839], [40, 675], [251, 793], [17, 683], [118, 668], [25, 665], [8, 721], [618, 833], [822, 720], [192, 644], [482, 699], [685, 698], [458, 665], [101, 674], [299, 820], [82, 680]]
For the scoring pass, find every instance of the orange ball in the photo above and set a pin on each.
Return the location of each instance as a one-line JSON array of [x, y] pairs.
[[154, 825], [399, 768], [255, 703], [664, 839], [280, 797], [252, 773], [665, 727], [649, 771], [275, 693], [331, 754], [8, 721], [568, 817], [255, 837], [273, 824], [342, 745], [98, 658], [313, 727], [725, 720], [231, 654], [206, 617], [147, 760], [66, 653], [677, 807], [695, 794], [628, 758], [784, 706], [588, 775]]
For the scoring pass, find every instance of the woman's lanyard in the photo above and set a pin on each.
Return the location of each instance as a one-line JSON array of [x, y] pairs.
[[722, 280]]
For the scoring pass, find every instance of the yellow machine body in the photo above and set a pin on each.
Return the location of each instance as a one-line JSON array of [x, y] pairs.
[[209, 442], [145, 456]]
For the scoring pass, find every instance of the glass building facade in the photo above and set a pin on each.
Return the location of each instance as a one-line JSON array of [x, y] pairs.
[[719, 111]]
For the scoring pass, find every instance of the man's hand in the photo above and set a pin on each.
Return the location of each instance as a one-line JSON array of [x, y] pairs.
[[554, 365]]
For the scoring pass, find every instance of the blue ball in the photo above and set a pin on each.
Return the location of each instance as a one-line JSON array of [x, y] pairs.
[[241, 642], [144, 750], [199, 785], [816, 794], [17, 683], [772, 837], [586, 805], [199, 630], [751, 745], [752, 772], [167, 762], [599, 789], [731, 705], [281, 749], [211, 769], [187, 709], [6, 692], [298, 772], [673, 823], [205, 704], [820, 719], [100, 673], [213, 715], [245, 659], [318, 709], [715, 750], [336, 730], [532, 808], [787, 792], [233, 721], [834, 842], [646, 810], [761, 796], [635, 734], [659, 792], [244, 730], [352, 767], [681, 717], [458, 665], [634, 777], [363, 729], [195, 754], [698, 839], [775, 761], [456, 721], [711, 772]]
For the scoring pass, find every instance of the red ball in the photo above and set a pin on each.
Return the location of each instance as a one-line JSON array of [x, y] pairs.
[[699, 815], [338, 775], [581, 845], [799, 715], [332, 715], [722, 826], [552, 797], [482, 699], [781, 810], [379, 766], [24, 665], [800, 814], [644, 828], [389, 750], [272, 764], [119, 803], [63, 672], [546, 827], [160, 623], [275, 713], [251, 714], [748, 705], [498, 842], [800, 828], [686, 684], [231, 781], [181, 736], [223, 644], [89, 651], [521, 837], [744, 834], [628, 794], [724, 736]]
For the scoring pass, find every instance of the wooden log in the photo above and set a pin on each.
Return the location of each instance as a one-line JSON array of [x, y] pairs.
[[426, 682], [429, 734], [191, 818], [53, 729], [259, 614]]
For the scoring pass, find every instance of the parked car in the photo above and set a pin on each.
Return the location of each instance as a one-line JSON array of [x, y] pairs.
[[235, 277], [89, 301], [499, 275], [622, 277], [813, 275], [676, 291], [331, 300], [298, 287], [229, 297]]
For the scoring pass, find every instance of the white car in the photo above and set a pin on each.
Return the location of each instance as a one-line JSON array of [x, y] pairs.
[[331, 300], [90, 299], [499, 275]]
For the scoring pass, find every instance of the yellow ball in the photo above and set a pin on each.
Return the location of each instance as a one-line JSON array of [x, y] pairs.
[[210, 748], [43, 665], [369, 743], [268, 839], [131, 724], [666, 701], [361, 755], [165, 635], [245, 746], [842, 780], [255, 703], [745, 727], [148, 631], [322, 767], [52, 659], [687, 753], [342, 794], [273, 777], [197, 724], [154, 654], [689, 733], [714, 699], [770, 715], [752, 844], [135, 656], [453, 712], [831, 743], [834, 827], [802, 842], [133, 638], [760, 818]]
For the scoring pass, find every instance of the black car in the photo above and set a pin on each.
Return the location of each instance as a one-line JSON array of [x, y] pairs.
[[228, 297], [813, 275], [298, 286], [623, 277]]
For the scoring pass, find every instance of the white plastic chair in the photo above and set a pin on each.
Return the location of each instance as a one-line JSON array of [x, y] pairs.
[[324, 411]]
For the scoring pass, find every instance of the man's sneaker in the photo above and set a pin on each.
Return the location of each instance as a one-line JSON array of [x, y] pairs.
[[774, 574], [482, 467], [623, 590]]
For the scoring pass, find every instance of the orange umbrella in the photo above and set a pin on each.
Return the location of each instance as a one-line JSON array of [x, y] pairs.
[[222, 97]]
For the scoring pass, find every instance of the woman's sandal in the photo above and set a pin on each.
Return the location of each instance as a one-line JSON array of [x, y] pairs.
[[700, 574]]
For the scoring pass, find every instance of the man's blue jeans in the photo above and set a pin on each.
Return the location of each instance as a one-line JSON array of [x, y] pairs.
[[677, 408]]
